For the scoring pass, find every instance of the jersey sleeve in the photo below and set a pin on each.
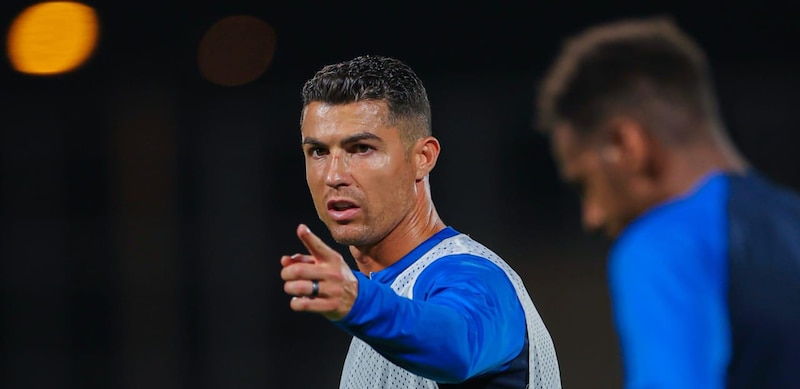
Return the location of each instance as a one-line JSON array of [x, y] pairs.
[[464, 321], [668, 296]]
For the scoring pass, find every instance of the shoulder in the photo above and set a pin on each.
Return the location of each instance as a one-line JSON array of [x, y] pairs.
[[463, 253], [461, 262], [465, 263], [755, 193]]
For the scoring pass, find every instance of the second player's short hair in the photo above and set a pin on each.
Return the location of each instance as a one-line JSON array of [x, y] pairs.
[[627, 67]]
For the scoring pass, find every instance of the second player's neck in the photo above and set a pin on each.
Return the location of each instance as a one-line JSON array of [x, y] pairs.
[[694, 165], [409, 233]]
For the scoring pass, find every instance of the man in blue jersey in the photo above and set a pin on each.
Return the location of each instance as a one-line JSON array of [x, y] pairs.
[[428, 307], [705, 267]]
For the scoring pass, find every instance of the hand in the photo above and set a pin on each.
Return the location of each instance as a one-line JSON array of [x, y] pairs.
[[338, 287]]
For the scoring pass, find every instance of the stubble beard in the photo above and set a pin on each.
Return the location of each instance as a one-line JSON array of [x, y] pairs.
[[351, 234]]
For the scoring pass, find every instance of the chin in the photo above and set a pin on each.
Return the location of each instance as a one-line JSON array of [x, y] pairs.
[[613, 231], [348, 234]]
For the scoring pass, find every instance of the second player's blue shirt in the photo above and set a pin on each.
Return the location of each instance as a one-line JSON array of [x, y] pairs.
[[705, 288], [668, 274]]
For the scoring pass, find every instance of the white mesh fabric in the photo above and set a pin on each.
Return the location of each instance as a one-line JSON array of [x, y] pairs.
[[365, 368]]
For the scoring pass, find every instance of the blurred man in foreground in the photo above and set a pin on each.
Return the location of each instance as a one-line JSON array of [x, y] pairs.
[[705, 268]]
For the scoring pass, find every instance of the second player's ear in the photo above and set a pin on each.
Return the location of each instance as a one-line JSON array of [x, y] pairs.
[[425, 153], [629, 145]]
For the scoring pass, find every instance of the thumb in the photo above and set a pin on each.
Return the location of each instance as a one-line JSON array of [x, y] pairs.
[[315, 245]]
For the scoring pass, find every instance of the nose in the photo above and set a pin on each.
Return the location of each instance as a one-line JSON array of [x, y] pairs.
[[337, 173]]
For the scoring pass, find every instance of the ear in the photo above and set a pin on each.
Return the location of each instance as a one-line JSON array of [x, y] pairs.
[[424, 155], [629, 145]]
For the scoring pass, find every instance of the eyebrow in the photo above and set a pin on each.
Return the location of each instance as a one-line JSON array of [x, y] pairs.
[[349, 140]]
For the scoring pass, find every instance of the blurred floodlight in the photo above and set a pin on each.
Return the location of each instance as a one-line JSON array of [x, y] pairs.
[[52, 37], [236, 50]]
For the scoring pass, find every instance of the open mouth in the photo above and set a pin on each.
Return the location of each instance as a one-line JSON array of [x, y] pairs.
[[341, 205], [342, 210]]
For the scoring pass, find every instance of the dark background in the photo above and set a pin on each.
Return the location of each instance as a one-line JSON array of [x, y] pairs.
[[143, 209]]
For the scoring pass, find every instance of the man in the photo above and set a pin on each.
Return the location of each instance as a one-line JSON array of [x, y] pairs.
[[705, 267], [429, 306]]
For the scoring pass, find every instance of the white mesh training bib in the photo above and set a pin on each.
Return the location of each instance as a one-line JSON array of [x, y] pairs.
[[364, 368]]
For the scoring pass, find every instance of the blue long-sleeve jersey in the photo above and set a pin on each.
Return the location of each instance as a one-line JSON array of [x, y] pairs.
[[464, 320], [706, 288]]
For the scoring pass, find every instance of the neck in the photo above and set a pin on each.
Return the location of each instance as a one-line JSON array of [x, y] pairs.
[[419, 225], [690, 164]]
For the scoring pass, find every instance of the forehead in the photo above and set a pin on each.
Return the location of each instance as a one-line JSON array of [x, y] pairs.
[[331, 121]]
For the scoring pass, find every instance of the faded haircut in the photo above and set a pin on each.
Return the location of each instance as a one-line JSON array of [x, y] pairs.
[[376, 78]]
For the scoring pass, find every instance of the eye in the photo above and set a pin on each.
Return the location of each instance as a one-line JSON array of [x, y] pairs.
[[316, 152], [362, 149]]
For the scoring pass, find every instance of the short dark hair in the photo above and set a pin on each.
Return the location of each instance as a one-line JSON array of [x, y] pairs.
[[629, 67], [378, 78]]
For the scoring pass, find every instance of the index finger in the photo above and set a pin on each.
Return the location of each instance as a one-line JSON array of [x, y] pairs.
[[315, 245]]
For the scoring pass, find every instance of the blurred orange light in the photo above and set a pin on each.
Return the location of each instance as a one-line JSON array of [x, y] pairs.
[[52, 37]]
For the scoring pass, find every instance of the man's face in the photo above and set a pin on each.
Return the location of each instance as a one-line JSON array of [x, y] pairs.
[[585, 162], [357, 170]]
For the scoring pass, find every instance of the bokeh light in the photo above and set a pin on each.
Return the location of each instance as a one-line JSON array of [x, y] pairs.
[[52, 37], [236, 50]]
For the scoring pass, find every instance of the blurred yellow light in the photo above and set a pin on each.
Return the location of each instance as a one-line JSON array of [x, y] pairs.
[[52, 37]]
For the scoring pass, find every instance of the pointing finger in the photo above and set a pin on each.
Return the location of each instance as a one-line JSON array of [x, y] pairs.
[[315, 245]]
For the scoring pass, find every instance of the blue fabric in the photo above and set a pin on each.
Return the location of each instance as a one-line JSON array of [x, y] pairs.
[[668, 274], [764, 292], [706, 288], [464, 321]]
